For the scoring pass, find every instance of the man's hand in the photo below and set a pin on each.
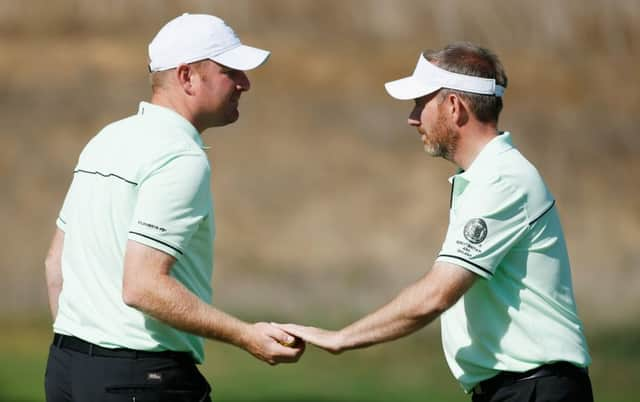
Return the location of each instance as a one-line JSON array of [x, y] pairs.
[[267, 343], [330, 341], [149, 287], [415, 306]]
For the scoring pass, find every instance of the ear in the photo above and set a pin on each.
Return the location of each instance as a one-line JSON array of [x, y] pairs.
[[457, 109], [185, 75]]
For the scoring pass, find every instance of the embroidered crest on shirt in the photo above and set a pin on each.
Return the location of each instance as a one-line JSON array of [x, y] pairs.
[[475, 230]]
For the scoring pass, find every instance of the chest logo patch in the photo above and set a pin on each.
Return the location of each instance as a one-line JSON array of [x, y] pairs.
[[475, 230]]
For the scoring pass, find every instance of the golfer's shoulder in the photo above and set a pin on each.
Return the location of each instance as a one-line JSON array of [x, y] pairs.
[[158, 142], [113, 139], [517, 175], [513, 170], [157, 148], [510, 182]]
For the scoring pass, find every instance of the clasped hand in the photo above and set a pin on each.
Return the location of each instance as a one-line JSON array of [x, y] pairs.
[[331, 341], [272, 344]]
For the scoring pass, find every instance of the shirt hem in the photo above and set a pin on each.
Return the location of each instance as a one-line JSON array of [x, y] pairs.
[[155, 243], [464, 263]]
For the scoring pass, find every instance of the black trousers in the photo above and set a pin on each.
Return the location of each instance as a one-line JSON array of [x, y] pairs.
[[79, 376], [564, 386]]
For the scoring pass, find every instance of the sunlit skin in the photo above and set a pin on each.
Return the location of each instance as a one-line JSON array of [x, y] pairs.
[[448, 128], [438, 137], [205, 93], [220, 89]]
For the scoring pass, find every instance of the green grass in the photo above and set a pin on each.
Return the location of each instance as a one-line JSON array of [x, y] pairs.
[[378, 374], [411, 369]]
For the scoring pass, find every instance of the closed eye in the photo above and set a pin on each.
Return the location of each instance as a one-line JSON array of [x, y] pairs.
[[230, 72]]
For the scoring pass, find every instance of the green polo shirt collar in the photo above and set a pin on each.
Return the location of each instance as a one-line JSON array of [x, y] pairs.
[[171, 117]]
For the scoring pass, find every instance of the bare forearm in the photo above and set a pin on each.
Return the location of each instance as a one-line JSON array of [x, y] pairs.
[[167, 300], [54, 287], [416, 306], [149, 287], [410, 311], [53, 271]]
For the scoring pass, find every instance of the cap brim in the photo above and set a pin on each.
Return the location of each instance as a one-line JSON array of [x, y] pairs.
[[409, 88], [242, 58]]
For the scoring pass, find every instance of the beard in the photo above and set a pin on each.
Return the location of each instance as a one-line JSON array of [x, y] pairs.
[[442, 140]]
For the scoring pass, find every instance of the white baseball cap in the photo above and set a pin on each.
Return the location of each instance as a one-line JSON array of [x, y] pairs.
[[428, 78], [194, 37]]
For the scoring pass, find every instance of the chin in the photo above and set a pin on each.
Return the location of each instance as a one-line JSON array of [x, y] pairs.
[[226, 121], [232, 117], [434, 151]]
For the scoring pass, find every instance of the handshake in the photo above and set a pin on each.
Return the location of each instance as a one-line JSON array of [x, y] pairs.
[[285, 343], [413, 308]]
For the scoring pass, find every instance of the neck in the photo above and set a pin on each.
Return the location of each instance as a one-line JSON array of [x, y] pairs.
[[474, 136], [171, 102]]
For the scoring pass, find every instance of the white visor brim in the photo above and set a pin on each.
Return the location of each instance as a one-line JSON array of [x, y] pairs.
[[409, 88]]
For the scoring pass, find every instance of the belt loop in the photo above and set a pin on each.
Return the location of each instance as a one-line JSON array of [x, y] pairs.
[[90, 350], [59, 341]]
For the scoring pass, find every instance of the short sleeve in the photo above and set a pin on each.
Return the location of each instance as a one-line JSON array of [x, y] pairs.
[[486, 222], [63, 215], [172, 202]]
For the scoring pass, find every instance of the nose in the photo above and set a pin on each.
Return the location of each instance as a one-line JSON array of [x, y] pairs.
[[242, 82], [414, 116]]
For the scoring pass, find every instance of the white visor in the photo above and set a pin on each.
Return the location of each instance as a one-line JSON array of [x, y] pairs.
[[428, 78]]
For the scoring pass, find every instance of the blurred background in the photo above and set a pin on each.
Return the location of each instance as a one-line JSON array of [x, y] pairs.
[[326, 204]]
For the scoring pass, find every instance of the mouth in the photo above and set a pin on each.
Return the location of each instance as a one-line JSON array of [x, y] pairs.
[[235, 98], [423, 134]]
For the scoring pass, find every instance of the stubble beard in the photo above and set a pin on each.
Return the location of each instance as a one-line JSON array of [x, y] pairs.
[[442, 140], [226, 114]]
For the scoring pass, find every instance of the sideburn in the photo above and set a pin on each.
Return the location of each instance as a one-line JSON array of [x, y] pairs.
[[447, 138]]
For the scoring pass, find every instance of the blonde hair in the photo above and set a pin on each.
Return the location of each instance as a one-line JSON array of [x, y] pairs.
[[160, 80]]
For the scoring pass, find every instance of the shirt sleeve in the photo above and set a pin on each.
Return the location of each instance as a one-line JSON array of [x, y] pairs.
[[63, 215], [486, 222], [172, 202]]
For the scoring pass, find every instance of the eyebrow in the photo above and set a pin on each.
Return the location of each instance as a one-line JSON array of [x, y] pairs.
[[226, 69]]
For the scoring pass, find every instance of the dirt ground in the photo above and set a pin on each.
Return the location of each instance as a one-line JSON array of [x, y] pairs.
[[324, 198]]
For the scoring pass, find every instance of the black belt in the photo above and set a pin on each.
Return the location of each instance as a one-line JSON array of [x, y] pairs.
[[78, 345], [506, 378]]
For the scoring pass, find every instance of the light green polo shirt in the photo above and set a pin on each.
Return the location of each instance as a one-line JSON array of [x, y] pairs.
[[144, 178], [504, 227]]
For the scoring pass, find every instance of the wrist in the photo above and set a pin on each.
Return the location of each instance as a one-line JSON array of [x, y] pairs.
[[244, 335], [340, 342]]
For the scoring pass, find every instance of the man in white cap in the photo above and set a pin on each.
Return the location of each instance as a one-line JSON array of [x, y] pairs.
[[502, 280], [130, 264]]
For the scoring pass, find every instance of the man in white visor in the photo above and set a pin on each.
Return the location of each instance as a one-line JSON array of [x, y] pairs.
[[130, 265], [502, 280]]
